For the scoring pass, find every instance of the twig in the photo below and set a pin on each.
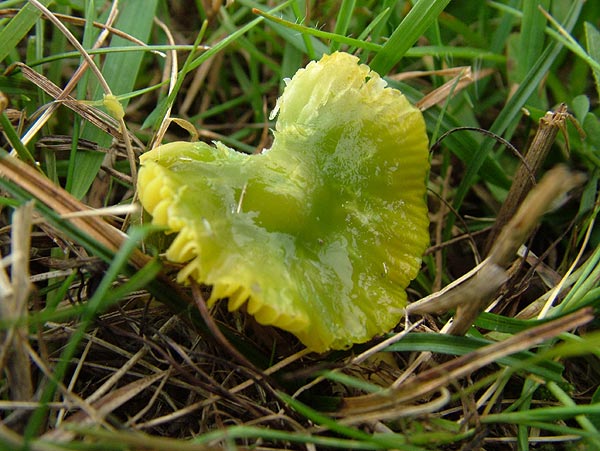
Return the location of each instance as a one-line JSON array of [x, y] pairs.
[[524, 178]]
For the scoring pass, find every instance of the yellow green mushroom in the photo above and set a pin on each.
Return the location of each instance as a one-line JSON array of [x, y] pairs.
[[318, 235]]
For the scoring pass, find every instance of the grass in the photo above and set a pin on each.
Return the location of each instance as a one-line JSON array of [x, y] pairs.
[[92, 356]]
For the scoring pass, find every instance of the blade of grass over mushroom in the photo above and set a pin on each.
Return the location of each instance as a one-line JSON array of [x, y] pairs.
[[511, 111], [308, 41], [325, 35], [420, 17], [343, 21]]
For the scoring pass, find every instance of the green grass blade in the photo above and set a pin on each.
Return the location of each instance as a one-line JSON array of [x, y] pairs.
[[343, 21], [449, 52], [219, 46], [136, 17], [542, 414], [349, 381], [592, 37], [531, 39], [139, 440], [364, 35], [18, 27], [472, 37], [420, 17], [318, 418], [325, 35], [451, 345], [256, 55], [14, 139], [379, 33], [568, 41], [582, 419], [524, 405], [139, 280], [504, 324]]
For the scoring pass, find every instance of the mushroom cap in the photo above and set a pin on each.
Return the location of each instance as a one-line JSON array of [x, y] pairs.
[[319, 235]]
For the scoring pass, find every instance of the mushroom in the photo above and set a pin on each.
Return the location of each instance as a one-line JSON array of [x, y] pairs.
[[318, 235]]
